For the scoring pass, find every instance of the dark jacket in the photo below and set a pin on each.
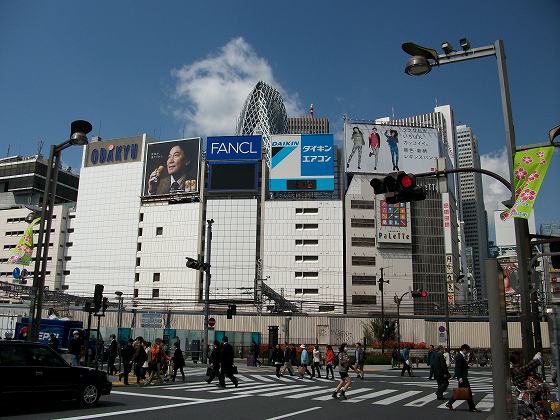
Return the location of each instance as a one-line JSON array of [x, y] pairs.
[[127, 353], [439, 366], [75, 347], [278, 356], [294, 355], [226, 356], [461, 367], [178, 358], [113, 349], [215, 358], [140, 355], [287, 354]]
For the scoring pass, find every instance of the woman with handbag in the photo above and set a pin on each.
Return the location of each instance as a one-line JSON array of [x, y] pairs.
[[213, 369], [463, 392]]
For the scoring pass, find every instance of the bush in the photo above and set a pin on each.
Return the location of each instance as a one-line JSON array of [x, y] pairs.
[[378, 359]]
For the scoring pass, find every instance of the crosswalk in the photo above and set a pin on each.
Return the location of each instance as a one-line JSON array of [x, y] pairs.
[[417, 393]]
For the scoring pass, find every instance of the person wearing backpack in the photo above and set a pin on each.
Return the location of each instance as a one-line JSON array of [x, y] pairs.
[[329, 360], [345, 381]]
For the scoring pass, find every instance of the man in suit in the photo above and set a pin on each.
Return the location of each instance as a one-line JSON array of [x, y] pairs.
[[181, 174], [440, 371], [462, 375], [226, 362], [113, 352]]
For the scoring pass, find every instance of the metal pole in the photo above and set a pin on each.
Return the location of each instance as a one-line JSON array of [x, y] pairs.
[[207, 289], [97, 339], [448, 335], [522, 240], [381, 281], [38, 282], [119, 326], [398, 323], [86, 341], [554, 321], [498, 341]]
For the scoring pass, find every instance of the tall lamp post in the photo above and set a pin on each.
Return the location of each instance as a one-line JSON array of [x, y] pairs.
[[119, 323], [381, 281], [78, 137], [421, 62], [398, 301]]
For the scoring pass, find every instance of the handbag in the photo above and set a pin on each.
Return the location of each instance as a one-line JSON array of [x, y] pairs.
[[209, 371], [234, 370], [462, 393]]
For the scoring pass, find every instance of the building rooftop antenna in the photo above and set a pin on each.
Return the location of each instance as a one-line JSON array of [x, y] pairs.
[[40, 145], [311, 111], [8, 152]]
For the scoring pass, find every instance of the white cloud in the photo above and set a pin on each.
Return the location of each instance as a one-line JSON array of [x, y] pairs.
[[494, 191], [210, 93]]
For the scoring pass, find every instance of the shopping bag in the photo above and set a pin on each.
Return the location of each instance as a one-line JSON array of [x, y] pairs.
[[462, 393]]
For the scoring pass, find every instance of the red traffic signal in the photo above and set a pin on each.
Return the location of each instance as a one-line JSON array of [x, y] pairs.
[[419, 294], [398, 187]]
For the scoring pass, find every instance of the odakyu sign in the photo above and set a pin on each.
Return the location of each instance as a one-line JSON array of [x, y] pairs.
[[113, 151], [233, 148]]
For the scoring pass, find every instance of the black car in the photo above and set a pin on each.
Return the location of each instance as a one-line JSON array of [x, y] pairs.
[[35, 368]]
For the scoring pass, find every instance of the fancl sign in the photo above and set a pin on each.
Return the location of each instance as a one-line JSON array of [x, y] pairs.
[[113, 151], [234, 148]]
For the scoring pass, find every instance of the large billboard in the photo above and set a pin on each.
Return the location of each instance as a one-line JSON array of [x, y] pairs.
[[111, 152], [233, 176], [380, 148], [233, 148], [302, 162], [172, 167], [393, 222]]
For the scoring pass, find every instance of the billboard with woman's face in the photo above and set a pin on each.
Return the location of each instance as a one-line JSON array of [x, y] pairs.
[[172, 167]]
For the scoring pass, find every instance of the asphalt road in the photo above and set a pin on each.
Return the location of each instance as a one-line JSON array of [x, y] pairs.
[[260, 395]]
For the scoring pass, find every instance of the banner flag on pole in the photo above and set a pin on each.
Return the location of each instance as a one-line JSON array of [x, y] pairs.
[[22, 252], [529, 170]]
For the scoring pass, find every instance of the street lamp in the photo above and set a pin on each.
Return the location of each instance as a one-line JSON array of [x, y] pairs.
[[78, 137], [119, 323], [421, 62], [398, 301]]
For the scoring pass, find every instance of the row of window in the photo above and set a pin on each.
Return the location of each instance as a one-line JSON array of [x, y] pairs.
[[364, 299], [306, 291], [155, 293], [159, 231], [307, 226], [20, 232], [307, 258], [363, 241], [362, 223], [22, 219], [364, 280], [362, 204], [307, 242], [34, 246], [307, 211], [359, 260], [306, 275]]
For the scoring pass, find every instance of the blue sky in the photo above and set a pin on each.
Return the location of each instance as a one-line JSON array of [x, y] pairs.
[[174, 67]]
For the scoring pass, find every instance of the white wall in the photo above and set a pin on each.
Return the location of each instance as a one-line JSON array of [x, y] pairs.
[[280, 251]]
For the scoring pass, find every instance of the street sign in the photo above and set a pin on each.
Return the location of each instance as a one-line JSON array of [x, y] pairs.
[[16, 273], [151, 320], [211, 322], [442, 334]]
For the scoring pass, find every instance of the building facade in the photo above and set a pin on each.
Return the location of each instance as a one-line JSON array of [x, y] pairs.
[[472, 206]]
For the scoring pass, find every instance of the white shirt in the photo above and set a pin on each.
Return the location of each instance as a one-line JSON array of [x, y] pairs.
[[316, 356]]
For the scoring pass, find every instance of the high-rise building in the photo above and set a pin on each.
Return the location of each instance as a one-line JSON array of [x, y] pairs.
[[551, 281], [263, 113], [308, 124], [472, 205], [22, 182]]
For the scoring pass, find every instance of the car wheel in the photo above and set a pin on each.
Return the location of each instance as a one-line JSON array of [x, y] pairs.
[[89, 395]]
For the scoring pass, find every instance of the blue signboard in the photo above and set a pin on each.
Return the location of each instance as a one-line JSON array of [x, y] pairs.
[[234, 148], [302, 162]]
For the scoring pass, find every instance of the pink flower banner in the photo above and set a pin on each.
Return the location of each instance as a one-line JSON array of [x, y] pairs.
[[22, 252], [529, 170]]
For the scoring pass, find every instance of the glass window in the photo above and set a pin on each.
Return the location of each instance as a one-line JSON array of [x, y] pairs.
[[159, 231], [364, 299], [43, 356], [155, 293], [156, 277], [12, 356]]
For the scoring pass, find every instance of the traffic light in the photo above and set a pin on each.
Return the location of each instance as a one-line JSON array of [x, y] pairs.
[[105, 304], [419, 294], [231, 311], [555, 259], [196, 265], [398, 187], [98, 297]]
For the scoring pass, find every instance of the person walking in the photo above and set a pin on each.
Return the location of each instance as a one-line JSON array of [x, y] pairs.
[[127, 354], [462, 374], [287, 360], [226, 362], [255, 350], [178, 361], [154, 363], [431, 356], [345, 381], [406, 361], [316, 362], [440, 371], [395, 357], [329, 360], [113, 352], [304, 361], [447, 357], [214, 362], [360, 358], [75, 348], [140, 357], [277, 359]]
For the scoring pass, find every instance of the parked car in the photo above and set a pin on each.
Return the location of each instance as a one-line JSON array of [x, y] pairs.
[[34, 368]]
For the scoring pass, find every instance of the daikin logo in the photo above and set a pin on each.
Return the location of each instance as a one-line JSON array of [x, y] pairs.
[[285, 143]]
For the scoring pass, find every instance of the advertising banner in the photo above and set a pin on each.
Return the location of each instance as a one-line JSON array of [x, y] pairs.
[[112, 152], [172, 167], [450, 278], [302, 162], [234, 148], [379, 148], [393, 222], [530, 168]]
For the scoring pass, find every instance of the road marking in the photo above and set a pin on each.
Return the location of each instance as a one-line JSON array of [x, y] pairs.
[[249, 388], [286, 379], [243, 378], [421, 401], [364, 397], [283, 416], [168, 397], [159, 407], [306, 394], [263, 378], [324, 380], [351, 392], [285, 391], [396, 398], [486, 403], [455, 404]]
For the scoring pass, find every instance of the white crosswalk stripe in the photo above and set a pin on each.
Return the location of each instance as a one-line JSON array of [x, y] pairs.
[[289, 390], [263, 378], [349, 393], [486, 403], [396, 398], [363, 397], [421, 401]]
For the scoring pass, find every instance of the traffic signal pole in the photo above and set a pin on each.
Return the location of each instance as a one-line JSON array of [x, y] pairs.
[[207, 289]]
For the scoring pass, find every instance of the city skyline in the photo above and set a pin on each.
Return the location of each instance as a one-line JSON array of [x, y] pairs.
[[143, 76]]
